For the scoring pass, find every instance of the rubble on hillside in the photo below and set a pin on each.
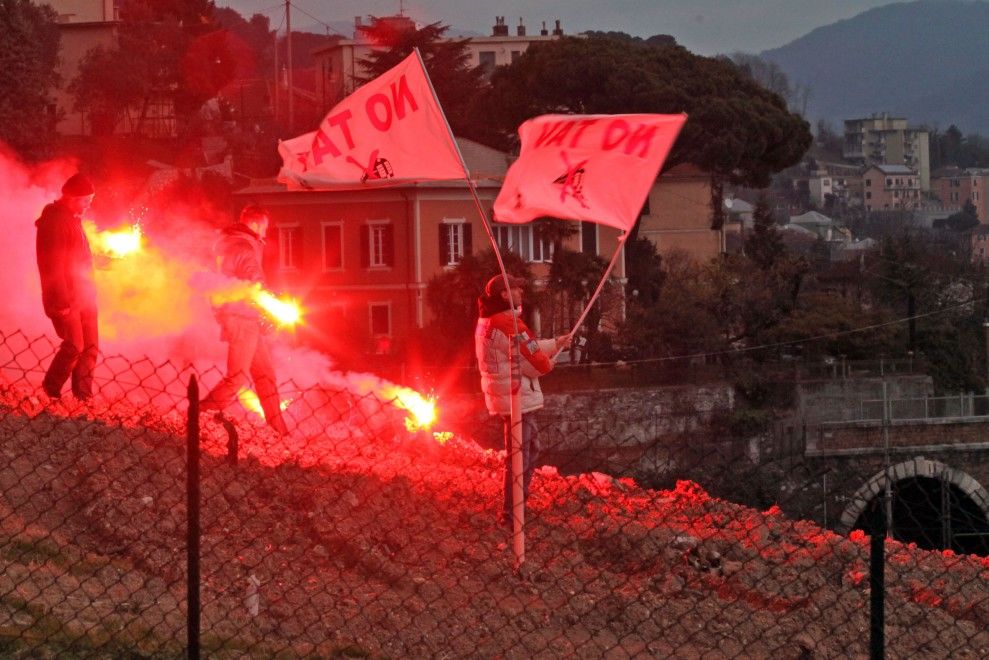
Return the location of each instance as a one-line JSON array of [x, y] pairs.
[[351, 536]]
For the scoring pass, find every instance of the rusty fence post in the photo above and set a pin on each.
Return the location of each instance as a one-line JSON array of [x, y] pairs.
[[192, 522]]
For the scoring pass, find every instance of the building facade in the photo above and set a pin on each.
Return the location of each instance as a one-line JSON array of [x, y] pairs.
[[677, 216], [955, 186], [83, 25], [890, 188], [362, 260], [884, 140], [339, 69]]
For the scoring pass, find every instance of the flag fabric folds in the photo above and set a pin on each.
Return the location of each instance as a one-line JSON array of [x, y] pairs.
[[389, 131], [595, 168]]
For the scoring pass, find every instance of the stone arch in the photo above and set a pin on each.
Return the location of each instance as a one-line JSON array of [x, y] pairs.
[[915, 467]]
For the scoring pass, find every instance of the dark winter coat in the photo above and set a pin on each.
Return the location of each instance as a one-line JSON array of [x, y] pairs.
[[65, 262]]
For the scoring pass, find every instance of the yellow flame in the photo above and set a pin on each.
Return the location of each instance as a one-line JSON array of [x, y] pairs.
[[250, 400], [114, 243], [422, 410], [284, 311]]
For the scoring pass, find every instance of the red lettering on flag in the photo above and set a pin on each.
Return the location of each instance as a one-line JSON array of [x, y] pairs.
[[379, 101], [400, 93], [610, 142], [342, 120], [641, 138], [322, 145]]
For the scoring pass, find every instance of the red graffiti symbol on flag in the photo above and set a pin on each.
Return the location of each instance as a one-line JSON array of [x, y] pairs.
[[572, 181], [377, 168]]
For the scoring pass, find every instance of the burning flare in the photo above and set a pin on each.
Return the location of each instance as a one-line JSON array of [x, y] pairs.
[[251, 402], [422, 409], [285, 312], [115, 243]]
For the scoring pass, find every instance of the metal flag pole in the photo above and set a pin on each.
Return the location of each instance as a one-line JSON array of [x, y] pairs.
[[514, 352]]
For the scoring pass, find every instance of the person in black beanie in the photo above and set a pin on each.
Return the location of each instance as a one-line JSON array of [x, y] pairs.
[[68, 289]]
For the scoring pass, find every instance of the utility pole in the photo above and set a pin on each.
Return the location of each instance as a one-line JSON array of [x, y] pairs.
[[277, 81], [288, 47], [985, 325]]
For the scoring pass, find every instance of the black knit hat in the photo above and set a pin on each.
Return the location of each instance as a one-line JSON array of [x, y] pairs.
[[78, 185]]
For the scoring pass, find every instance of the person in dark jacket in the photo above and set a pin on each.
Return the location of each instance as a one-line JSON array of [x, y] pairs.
[[496, 324], [68, 289], [239, 254]]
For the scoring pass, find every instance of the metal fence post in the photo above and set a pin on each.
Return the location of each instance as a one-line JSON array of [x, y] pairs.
[[192, 522], [877, 585]]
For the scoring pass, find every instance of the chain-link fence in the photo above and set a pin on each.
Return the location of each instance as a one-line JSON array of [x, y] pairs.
[[652, 530]]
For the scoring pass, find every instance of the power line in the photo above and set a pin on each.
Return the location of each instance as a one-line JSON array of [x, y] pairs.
[[794, 342], [318, 20]]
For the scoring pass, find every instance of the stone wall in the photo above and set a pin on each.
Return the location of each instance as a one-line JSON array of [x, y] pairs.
[[621, 431]]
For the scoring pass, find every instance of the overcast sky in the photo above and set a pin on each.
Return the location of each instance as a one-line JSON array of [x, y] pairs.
[[706, 27]]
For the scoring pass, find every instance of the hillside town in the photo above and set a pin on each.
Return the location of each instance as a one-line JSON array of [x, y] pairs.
[[721, 391]]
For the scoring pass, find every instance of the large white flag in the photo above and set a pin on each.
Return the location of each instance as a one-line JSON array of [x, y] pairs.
[[596, 168], [389, 131]]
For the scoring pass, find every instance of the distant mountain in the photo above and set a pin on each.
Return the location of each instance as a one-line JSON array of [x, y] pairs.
[[927, 61]]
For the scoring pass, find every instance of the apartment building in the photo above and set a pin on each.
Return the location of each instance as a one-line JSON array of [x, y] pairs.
[[954, 187], [82, 25], [885, 140], [890, 188], [338, 67], [361, 260], [677, 215]]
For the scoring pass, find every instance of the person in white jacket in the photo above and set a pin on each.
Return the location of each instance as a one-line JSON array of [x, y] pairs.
[[496, 324]]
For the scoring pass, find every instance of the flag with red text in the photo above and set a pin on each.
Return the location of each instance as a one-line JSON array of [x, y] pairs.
[[391, 130], [595, 168]]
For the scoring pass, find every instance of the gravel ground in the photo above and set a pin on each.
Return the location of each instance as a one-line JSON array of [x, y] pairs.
[[352, 538]]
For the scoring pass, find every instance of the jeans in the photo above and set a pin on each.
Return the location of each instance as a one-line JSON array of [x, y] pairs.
[[76, 357], [247, 353], [530, 452]]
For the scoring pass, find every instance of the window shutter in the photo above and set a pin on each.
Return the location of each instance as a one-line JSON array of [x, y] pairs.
[[588, 237], [445, 244], [365, 246], [467, 240], [389, 245]]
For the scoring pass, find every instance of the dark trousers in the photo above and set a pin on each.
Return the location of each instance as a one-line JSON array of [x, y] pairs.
[[248, 358], [530, 452], [76, 356]]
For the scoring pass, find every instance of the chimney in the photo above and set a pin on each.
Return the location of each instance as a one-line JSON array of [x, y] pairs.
[[521, 28], [500, 27], [544, 32], [357, 27], [558, 32]]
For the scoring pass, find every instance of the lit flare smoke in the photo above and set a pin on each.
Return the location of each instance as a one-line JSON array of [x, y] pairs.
[[117, 243], [249, 399], [285, 312]]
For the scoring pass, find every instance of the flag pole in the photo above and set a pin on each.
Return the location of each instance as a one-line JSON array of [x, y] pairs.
[[604, 278], [514, 352]]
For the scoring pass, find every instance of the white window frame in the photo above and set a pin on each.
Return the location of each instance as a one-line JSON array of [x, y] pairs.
[[287, 250], [455, 239], [521, 240], [322, 238], [375, 230], [370, 318]]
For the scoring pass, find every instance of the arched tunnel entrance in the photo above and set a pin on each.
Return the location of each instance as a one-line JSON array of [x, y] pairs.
[[933, 505]]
